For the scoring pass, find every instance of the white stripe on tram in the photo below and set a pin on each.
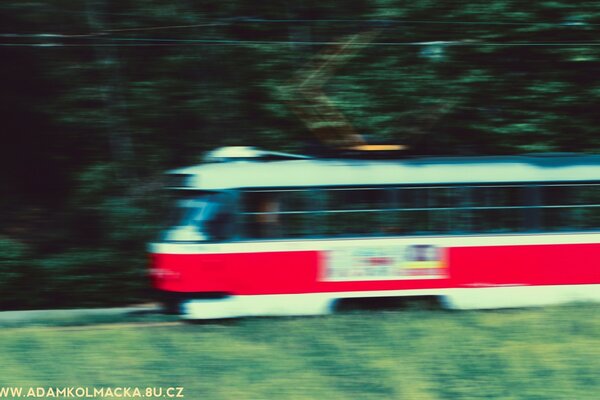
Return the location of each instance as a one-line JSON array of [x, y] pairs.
[[328, 244]]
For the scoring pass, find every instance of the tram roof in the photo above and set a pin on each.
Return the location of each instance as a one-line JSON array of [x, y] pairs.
[[409, 171]]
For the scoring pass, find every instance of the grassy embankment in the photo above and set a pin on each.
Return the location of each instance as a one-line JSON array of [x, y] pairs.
[[551, 353]]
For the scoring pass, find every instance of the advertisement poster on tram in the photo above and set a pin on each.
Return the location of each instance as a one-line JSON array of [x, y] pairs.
[[384, 263]]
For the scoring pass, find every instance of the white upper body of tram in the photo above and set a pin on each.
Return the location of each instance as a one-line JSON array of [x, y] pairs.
[[248, 168]]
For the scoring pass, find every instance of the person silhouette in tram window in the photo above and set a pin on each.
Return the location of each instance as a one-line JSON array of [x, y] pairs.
[[265, 223]]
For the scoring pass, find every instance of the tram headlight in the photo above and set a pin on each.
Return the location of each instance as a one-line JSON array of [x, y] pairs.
[[164, 274]]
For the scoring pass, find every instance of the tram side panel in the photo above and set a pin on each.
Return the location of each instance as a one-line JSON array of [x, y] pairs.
[[531, 265], [465, 274], [523, 275], [251, 273], [189, 273], [372, 270]]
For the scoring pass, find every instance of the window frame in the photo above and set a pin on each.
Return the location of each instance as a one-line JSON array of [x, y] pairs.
[[530, 206]]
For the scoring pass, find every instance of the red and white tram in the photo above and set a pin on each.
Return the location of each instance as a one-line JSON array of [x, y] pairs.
[[260, 233]]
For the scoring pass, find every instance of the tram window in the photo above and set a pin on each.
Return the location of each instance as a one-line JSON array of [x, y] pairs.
[[498, 196], [571, 207], [590, 218], [352, 223], [358, 199], [314, 212], [497, 221], [357, 211], [430, 197], [413, 198], [261, 209], [463, 209], [589, 194], [556, 195], [414, 222], [300, 215], [570, 218], [200, 217], [417, 210], [301, 225], [441, 221], [425, 221], [220, 225]]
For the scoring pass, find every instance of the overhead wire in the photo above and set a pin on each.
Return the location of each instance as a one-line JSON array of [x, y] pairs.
[[153, 28], [106, 34], [389, 23], [565, 23], [145, 42]]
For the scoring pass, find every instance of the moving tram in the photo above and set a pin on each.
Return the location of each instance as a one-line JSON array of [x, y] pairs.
[[261, 233]]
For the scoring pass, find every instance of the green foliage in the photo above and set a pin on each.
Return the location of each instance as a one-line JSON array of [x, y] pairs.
[[94, 122], [13, 258]]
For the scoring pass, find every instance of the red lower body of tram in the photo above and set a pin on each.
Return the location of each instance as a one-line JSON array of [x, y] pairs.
[[308, 277]]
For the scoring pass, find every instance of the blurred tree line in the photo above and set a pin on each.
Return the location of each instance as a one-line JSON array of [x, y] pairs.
[[100, 97]]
